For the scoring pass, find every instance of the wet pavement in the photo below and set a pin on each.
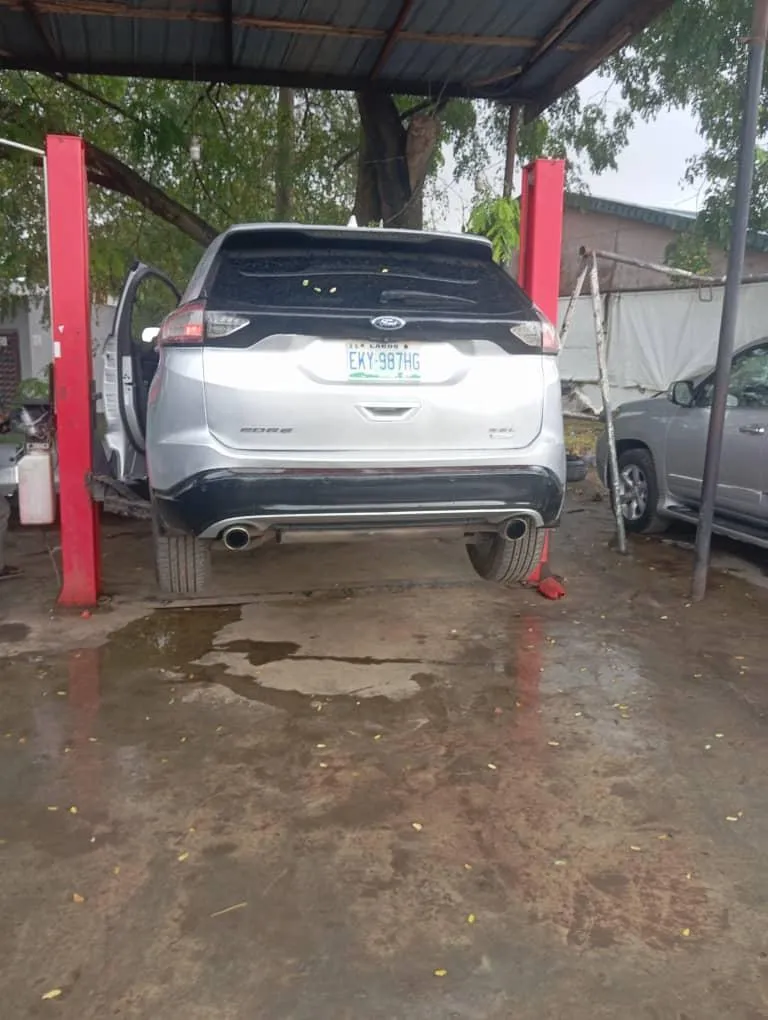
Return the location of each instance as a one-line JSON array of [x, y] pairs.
[[355, 797]]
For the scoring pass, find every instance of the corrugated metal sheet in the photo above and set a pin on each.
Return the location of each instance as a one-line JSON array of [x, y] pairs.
[[482, 48]]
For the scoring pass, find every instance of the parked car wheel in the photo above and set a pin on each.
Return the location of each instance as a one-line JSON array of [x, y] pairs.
[[640, 493], [507, 561], [182, 562]]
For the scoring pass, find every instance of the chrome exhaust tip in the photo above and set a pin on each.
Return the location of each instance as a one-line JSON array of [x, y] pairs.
[[236, 538], [515, 529]]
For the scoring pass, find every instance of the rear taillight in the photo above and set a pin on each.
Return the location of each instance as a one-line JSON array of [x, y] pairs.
[[550, 339], [192, 324], [184, 326], [538, 333]]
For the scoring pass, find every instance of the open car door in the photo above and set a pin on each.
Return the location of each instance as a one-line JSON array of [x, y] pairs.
[[127, 364]]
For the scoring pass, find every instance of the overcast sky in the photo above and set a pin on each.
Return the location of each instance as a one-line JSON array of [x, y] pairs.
[[650, 170]]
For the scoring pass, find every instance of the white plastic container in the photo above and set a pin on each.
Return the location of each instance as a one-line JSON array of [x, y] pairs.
[[37, 495]]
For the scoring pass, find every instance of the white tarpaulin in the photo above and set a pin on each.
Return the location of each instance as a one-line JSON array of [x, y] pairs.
[[655, 337]]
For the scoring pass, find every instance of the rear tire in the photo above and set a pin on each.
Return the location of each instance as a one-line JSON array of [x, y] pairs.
[[637, 473], [182, 562], [507, 561]]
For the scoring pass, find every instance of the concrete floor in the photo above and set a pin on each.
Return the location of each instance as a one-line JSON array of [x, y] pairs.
[[381, 789]]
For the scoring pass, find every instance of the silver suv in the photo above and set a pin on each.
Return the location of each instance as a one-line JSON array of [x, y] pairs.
[[315, 382]]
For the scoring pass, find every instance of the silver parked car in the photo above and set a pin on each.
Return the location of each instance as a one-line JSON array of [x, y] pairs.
[[662, 443], [315, 381]]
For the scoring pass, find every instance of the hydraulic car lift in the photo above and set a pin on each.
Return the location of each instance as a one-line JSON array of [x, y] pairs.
[[66, 187]]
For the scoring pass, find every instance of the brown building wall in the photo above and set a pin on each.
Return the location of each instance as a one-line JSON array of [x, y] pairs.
[[640, 240]]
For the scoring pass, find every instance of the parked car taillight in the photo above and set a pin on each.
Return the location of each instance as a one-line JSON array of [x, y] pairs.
[[192, 324], [538, 333], [550, 339], [184, 326]]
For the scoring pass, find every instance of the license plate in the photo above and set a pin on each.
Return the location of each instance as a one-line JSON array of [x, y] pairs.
[[384, 362]]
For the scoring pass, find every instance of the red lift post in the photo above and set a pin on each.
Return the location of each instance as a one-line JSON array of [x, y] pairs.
[[67, 211], [67, 201], [541, 243]]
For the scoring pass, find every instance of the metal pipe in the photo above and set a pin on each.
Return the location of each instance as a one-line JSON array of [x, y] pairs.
[[22, 148], [656, 267], [571, 309], [744, 179], [605, 390]]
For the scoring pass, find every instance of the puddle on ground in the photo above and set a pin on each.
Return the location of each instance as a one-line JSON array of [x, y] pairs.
[[168, 639], [13, 632]]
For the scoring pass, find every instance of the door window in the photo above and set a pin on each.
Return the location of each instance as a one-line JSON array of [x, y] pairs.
[[153, 300], [748, 387]]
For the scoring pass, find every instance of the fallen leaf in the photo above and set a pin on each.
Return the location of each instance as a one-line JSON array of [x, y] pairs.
[[377, 736], [560, 864], [440, 972], [77, 898], [471, 918], [54, 993], [417, 826], [73, 810], [685, 932], [467, 867], [183, 856], [707, 747], [116, 870], [664, 835]]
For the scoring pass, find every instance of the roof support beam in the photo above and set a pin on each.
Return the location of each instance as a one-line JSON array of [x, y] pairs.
[[229, 43], [391, 39], [583, 66], [120, 9], [40, 28]]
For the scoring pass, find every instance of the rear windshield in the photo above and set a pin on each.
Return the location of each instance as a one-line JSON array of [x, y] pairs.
[[363, 281]]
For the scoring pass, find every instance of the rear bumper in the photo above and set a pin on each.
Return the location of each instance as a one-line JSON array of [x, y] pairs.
[[210, 502]]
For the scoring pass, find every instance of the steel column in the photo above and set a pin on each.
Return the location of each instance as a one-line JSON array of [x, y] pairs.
[[67, 211], [739, 230], [541, 233], [541, 243]]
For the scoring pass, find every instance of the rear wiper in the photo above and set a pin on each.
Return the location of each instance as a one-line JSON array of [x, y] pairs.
[[315, 273], [423, 295]]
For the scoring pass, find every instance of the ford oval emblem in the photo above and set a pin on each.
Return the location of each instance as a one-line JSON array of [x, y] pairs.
[[388, 322]]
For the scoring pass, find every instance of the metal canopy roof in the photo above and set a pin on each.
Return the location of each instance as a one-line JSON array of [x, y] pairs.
[[516, 51]]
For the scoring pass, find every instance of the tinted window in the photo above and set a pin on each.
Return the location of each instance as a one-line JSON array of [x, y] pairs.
[[375, 281], [748, 385]]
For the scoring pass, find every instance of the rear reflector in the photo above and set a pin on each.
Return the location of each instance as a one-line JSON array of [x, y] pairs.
[[191, 324]]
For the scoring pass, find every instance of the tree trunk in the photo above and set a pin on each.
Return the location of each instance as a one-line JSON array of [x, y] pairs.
[[107, 171], [286, 141], [394, 162]]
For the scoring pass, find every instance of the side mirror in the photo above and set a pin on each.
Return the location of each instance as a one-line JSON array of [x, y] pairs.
[[682, 393], [150, 334]]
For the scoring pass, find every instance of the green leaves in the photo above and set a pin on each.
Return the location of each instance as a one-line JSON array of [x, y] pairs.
[[695, 56], [498, 219]]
